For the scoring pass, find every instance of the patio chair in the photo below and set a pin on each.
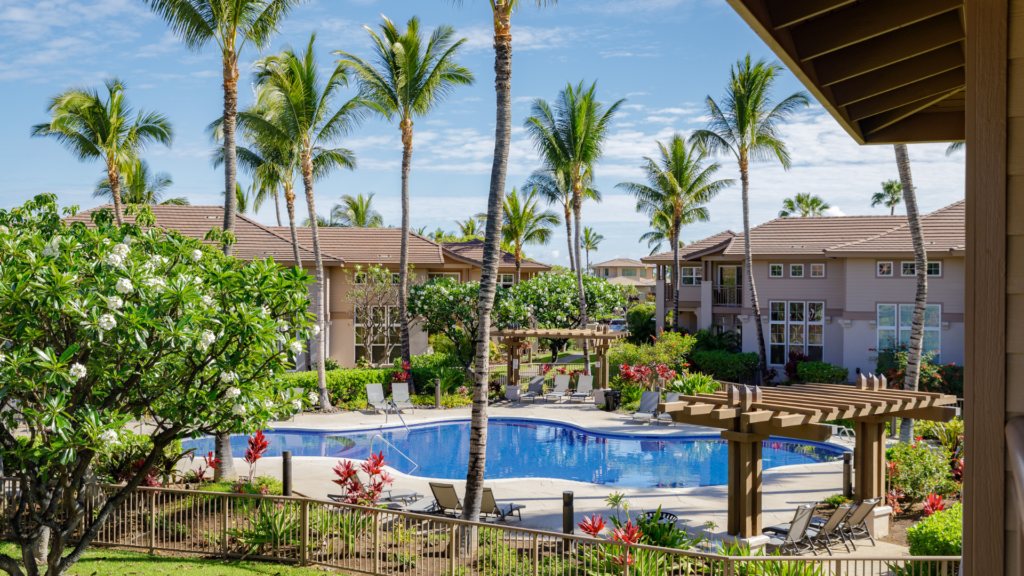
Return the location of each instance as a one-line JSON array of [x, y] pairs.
[[667, 418], [584, 389], [400, 397], [796, 539], [648, 406], [535, 389], [491, 507], [832, 528], [855, 527], [561, 388], [424, 506], [447, 499], [375, 398]]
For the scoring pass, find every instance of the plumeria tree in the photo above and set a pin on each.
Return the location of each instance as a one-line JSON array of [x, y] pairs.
[[101, 325]]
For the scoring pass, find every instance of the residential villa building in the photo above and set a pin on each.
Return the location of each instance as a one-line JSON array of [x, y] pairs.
[[833, 288], [342, 251], [627, 272]]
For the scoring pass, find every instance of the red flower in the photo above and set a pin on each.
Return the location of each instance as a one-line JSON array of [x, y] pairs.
[[919, 438], [258, 445], [592, 525], [933, 504], [627, 533]]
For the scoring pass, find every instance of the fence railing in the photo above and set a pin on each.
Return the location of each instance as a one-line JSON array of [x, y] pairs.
[[383, 542], [727, 295]]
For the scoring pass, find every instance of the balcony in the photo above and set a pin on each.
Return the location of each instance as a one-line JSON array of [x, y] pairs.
[[727, 295]]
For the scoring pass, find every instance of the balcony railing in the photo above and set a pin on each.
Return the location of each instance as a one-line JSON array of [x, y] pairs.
[[727, 295]]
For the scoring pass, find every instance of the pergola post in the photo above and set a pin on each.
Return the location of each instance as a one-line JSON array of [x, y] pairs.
[[869, 458], [512, 343], [744, 516]]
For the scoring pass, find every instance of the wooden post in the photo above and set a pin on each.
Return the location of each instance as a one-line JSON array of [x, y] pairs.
[[152, 521], [745, 467], [869, 458], [224, 529], [376, 542], [304, 538]]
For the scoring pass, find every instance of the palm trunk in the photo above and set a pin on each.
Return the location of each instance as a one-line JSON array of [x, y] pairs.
[[277, 207], [748, 265], [403, 273], [577, 208], [321, 375], [115, 190], [675, 274], [230, 113], [289, 200], [921, 297], [222, 451], [568, 235], [489, 271], [519, 264]]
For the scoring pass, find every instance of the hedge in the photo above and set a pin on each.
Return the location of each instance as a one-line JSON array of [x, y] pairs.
[[724, 365], [940, 534], [822, 372]]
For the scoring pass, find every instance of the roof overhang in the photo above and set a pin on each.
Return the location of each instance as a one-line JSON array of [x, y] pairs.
[[887, 71]]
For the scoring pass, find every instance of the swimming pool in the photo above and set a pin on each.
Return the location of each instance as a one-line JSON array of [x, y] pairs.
[[536, 449]]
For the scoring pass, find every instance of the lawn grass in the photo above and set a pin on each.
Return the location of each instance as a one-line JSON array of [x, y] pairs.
[[105, 562]]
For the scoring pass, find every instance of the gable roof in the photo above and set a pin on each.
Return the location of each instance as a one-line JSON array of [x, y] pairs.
[[944, 229], [695, 250], [811, 235], [473, 251], [618, 263], [368, 245]]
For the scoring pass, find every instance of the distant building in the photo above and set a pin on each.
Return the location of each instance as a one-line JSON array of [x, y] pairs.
[[625, 271]]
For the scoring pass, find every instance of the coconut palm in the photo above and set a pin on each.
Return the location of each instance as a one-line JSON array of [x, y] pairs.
[[747, 125], [525, 224], [891, 196], [804, 205], [409, 78], [242, 199], [357, 212], [139, 186], [421, 231], [679, 186], [325, 222], [555, 187], [470, 228], [590, 241], [93, 128], [302, 100], [570, 137], [955, 147], [229, 25], [661, 232]]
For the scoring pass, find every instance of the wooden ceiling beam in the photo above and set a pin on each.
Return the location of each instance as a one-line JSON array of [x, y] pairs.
[[944, 83], [898, 75], [880, 121], [862, 22], [889, 48], [788, 12], [812, 432]]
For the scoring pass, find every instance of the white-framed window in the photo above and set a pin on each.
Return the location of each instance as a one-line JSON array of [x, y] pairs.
[[506, 280], [815, 331], [935, 268], [796, 270], [883, 269], [629, 271], [691, 276], [796, 326], [777, 333], [775, 270], [895, 322], [388, 314], [908, 268], [437, 275], [818, 270]]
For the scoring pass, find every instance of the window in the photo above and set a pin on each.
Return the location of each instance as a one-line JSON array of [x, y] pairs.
[[643, 272], [385, 316], [815, 331], [395, 278], [817, 270], [506, 280], [439, 275], [887, 327], [629, 271], [775, 270], [935, 268], [908, 269], [691, 276], [884, 270], [796, 326], [777, 332], [796, 270], [605, 272]]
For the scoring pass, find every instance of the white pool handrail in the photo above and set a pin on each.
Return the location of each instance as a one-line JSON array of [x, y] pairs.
[[393, 447]]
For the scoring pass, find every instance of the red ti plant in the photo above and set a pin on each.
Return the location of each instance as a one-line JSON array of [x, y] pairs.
[[209, 463], [933, 504], [258, 445], [664, 372], [402, 376], [958, 470], [625, 533], [356, 492], [892, 498], [592, 526]]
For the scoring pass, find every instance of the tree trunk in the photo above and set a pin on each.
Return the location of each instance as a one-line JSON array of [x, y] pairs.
[[230, 112], [921, 297], [321, 375], [277, 207], [289, 201], [576, 209], [675, 274], [568, 235], [115, 190], [492, 246], [519, 264], [748, 265], [222, 451], [403, 273]]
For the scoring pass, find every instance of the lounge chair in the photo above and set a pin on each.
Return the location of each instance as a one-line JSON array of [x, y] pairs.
[[584, 389], [796, 538], [424, 506], [448, 502], [666, 418], [648, 406], [535, 389], [490, 507], [832, 528], [400, 397], [375, 398], [855, 527], [386, 495], [561, 388]]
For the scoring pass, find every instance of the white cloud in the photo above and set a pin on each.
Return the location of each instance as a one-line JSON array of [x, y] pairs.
[[479, 38], [833, 211], [631, 94], [168, 43]]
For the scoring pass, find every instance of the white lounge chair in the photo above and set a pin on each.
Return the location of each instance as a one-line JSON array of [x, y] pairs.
[[561, 388], [667, 418], [375, 398], [400, 396], [648, 406], [584, 389]]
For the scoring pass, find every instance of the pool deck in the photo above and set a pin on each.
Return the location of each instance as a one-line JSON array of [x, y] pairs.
[[783, 488]]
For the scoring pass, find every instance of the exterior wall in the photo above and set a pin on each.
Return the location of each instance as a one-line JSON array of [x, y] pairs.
[[865, 290], [614, 272]]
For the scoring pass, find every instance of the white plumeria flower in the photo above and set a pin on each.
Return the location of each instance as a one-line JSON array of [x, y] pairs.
[[264, 311], [77, 371], [121, 250], [114, 259], [115, 302], [124, 286], [268, 404], [205, 340], [3, 357], [315, 329], [296, 347], [207, 300], [297, 404], [107, 322], [228, 376], [314, 397], [110, 437], [232, 393], [157, 283], [238, 409], [3, 229], [197, 255]]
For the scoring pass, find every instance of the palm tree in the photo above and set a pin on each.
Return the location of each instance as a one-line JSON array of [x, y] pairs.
[[138, 186], [357, 212], [242, 199], [303, 100], [591, 240], [92, 128], [891, 196], [229, 25], [570, 138], [955, 147], [421, 231], [805, 205], [409, 78], [747, 126], [325, 222], [678, 186], [470, 228], [555, 187], [524, 224], [662, 231]]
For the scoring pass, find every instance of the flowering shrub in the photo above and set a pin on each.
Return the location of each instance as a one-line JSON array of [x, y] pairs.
[[917, 471], [258, 446], [449, 307], [946, 378], [356, 492], [933, 503], [635, 374], [553, 300]]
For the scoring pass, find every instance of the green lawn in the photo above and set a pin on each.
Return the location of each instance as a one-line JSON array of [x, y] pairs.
[[103, 562]]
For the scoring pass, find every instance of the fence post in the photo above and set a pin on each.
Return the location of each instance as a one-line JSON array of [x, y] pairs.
[[728, 567], [376, 541], [224, 530], [286, 472], [437, 393], [536, 555], [304, 542], [452, 548], [152, 521], [848, 475]]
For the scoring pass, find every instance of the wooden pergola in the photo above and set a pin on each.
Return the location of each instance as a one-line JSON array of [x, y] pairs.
[[748, 416], [602, 339]]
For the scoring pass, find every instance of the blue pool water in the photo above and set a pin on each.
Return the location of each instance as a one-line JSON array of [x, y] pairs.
[[532, 449]]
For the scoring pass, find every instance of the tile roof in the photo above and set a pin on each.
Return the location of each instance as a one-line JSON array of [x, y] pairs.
[[473, 251], [944, 229], [254, 240], [632, 281], [619, 262], [812, 235], [690, 250], [369, 245]]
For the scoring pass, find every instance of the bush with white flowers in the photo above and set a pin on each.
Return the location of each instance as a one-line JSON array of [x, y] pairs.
[[100, 325], [553, 301], [449, 307]]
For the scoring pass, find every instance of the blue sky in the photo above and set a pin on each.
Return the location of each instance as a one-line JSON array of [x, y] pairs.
[[663, 56]]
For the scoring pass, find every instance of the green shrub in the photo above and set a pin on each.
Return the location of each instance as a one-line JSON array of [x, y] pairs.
[[640, 323], [822, 372], [940, 534], [669, 349], [946, 378], [114, 462], [725, 365], [726, 341], [273, 485], [694, 383], [919, 471], [836, 500]]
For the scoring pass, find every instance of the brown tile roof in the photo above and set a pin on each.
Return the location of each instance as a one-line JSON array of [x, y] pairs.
[[631, 280], [370, 245], [943, 230], [812, 235], [254, 240], [710, 243], [619, 263], [473, 251]]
